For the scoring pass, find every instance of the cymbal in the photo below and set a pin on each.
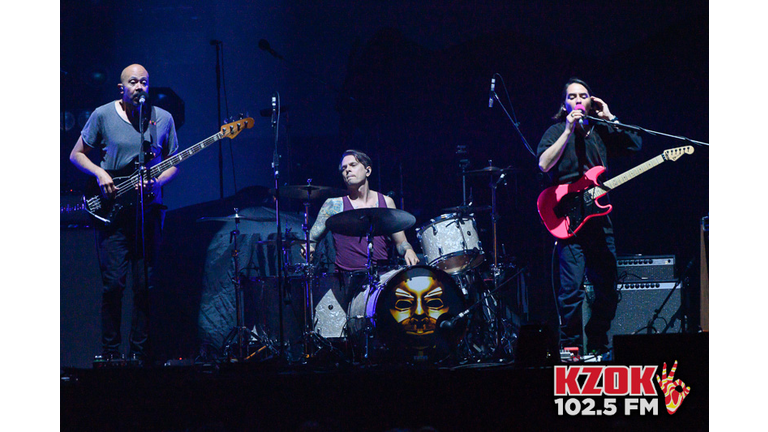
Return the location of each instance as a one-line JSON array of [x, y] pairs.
[[308, 191], [467, 209], [235, 218], [378, 221], [286, 242], [486, 170], [492, 170]]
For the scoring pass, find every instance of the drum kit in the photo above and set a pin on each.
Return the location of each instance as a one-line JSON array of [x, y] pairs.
[[444, 310]]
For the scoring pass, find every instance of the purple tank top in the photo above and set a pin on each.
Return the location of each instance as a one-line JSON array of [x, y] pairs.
[[352, 252]]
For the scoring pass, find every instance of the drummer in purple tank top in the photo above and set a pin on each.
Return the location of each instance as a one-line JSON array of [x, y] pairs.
[[352, 252]]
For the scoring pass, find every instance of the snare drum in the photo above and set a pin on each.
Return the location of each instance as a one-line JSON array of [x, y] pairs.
[[451, 243], [402, 315]]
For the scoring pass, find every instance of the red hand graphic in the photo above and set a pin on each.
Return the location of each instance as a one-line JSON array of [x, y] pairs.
[[673, 398]]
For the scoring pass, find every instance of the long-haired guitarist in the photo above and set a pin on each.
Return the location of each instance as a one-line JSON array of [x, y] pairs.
[[568, 149], [113, 132]]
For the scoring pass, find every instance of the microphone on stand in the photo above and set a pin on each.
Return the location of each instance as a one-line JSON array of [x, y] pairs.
[[143, 96], [490, 93]]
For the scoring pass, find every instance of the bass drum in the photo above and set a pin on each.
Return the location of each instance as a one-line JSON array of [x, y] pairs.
[[399, 320]]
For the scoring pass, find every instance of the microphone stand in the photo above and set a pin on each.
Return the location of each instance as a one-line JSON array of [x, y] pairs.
[[141, 169], [648, 131], [279, 238], [516, 124]]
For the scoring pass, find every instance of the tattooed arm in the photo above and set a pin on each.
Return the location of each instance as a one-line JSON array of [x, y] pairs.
[[330, 207]]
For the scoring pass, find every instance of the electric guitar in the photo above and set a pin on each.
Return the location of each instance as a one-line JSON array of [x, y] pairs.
[[565, 208], [105, 210]]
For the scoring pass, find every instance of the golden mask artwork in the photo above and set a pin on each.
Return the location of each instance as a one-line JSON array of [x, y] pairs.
[[418, 304]]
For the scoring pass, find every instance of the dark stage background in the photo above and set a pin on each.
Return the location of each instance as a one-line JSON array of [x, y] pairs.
[[406, 82]]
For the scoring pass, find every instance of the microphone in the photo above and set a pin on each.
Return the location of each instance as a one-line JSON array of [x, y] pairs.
[[264, 45], [448, 322], [490, 93], [274, 110], [143, 96], [581, 108]]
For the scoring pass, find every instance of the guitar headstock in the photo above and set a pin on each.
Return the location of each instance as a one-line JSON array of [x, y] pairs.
[[675, 153], [233, 128]]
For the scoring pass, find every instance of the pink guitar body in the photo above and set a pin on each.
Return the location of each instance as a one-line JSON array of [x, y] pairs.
[[565, 208]]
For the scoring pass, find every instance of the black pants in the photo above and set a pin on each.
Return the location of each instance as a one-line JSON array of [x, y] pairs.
[[120, 251], [592, 252]]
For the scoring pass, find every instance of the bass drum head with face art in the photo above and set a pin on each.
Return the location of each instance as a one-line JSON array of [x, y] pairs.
[[406, 311]]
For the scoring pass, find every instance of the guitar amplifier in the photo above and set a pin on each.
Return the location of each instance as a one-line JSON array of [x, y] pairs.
[[640, 269], [645, 283]]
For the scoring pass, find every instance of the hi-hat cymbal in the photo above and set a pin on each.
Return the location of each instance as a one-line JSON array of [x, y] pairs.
[[308, 191], [377, 221], [235, 218]]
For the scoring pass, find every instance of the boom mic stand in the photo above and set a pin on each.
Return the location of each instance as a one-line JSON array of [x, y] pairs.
[[641, 129]]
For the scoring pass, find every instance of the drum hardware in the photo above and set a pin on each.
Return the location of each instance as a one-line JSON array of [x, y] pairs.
[[370, 222], [239, 335], [307, 193], [491, 321], [463, 164], [493, 184]]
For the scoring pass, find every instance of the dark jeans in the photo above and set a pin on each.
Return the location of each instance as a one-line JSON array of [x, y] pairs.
[[120, 250], [592, 252]]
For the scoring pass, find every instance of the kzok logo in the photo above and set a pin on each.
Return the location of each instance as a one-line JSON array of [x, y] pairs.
[[576, 385], [673, 397]]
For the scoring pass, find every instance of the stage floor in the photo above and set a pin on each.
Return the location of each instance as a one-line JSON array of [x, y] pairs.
[[268, 396]]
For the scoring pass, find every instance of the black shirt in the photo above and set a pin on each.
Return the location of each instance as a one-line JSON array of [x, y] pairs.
[[585, 151]]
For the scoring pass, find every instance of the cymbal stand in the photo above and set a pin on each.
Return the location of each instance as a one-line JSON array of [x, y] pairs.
[[239, 332], [309, 275], [493, 184], [372, 284]]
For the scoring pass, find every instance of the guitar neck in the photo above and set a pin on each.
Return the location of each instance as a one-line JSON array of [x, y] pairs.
[[626, 176], [158, 169]]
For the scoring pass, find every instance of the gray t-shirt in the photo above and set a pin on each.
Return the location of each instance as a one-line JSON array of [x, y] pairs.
[[119, 142]]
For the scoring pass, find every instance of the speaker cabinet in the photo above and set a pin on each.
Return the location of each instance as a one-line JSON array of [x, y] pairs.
[[638, 306]]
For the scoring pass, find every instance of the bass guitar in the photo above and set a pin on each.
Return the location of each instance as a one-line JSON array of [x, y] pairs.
[[565, 208], [105, 210]]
